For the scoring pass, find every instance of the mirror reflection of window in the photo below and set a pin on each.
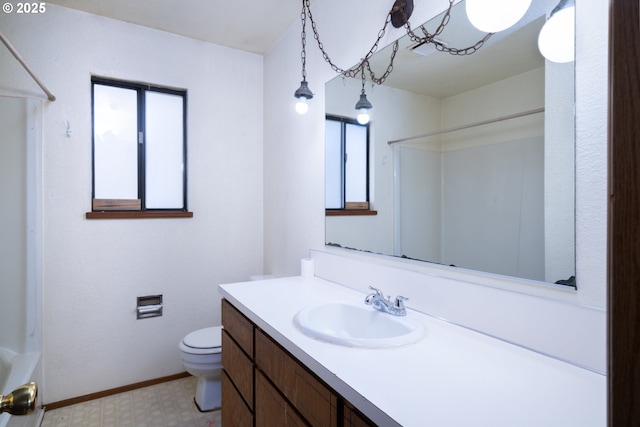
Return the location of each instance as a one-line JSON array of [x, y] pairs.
[[346, 163]]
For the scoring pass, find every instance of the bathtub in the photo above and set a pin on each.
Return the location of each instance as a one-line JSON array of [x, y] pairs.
[[15, 370]]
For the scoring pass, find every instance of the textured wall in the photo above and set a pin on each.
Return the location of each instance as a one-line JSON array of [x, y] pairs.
[[95, 269]]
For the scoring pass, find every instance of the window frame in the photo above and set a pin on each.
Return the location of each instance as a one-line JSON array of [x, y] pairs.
[[352, 208], [115, 208]]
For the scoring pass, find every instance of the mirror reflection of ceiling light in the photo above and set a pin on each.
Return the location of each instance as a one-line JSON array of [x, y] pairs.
[[492, 16], [363, 106], [557, 37]]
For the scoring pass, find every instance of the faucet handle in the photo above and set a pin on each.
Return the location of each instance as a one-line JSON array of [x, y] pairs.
[[399, 302], [378, 291], [372, 297]]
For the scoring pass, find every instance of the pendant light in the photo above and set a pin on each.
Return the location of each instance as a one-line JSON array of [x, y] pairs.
[[363, 106], [302, 94]]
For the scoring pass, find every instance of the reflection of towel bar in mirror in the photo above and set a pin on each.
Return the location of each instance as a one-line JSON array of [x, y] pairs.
[[472, 125]]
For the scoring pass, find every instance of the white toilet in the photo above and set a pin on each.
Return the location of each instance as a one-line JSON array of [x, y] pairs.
[[201, 353]]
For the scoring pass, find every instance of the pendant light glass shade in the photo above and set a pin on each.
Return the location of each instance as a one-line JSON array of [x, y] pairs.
[[302, 106], [491, 16], [363, 117], [556, 40]]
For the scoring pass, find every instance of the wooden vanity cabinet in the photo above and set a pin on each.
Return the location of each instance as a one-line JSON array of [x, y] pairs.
[[310, 396], [271, 407], [263, 385], [237, 373], [236, 412]]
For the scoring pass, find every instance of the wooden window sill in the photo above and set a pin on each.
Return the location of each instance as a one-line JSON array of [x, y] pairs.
[[349, 212], [138, 214]]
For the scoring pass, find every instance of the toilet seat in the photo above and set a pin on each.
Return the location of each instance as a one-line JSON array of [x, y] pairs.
[[203, 341]]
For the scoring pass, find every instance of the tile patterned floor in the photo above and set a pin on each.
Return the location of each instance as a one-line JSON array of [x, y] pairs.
[[168, 404]]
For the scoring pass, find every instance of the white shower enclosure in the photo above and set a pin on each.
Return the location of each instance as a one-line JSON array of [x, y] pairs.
[[20, 224]]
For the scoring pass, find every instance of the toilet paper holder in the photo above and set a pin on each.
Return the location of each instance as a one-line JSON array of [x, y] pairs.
[[149, 306]]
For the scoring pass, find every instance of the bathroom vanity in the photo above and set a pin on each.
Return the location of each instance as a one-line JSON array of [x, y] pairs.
[[262, 380], [274, 374]]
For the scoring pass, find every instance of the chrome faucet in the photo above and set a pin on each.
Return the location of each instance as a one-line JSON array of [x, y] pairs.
[[379, 302]]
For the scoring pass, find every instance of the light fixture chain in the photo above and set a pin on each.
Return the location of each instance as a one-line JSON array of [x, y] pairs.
[[400, 7], [303, 37], [465, 51], [353, 71], [430, 38], [389, 69]]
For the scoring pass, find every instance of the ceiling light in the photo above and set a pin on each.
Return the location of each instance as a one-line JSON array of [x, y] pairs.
[[492, 16], [557, 37]]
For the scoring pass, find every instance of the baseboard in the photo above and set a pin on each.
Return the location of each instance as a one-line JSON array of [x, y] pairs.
[[105, 393]]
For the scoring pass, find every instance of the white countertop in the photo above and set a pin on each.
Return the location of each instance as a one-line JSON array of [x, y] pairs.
[[451, 377]]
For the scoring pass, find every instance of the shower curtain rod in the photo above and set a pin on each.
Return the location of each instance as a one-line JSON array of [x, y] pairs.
[[26, 67], [485, 122]]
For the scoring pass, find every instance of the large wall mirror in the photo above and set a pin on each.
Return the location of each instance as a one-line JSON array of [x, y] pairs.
[[471, 157]]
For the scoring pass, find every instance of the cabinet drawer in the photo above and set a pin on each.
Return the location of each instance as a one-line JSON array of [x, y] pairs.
[[240, 328], [238, 366], [271, 408], [315, 402], [236, 412]]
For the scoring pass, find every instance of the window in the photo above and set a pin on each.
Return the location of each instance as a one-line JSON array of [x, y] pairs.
[[346, 166], [139, 148]]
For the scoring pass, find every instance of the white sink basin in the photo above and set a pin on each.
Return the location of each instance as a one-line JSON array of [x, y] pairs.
[[358, 325]]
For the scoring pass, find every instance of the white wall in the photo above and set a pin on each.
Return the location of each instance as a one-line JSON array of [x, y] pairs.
[[294, 218], [95, 269]]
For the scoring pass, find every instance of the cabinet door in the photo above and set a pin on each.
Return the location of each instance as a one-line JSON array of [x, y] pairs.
[[311, 397], [238, 366], [271, 408], [235, 412]]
